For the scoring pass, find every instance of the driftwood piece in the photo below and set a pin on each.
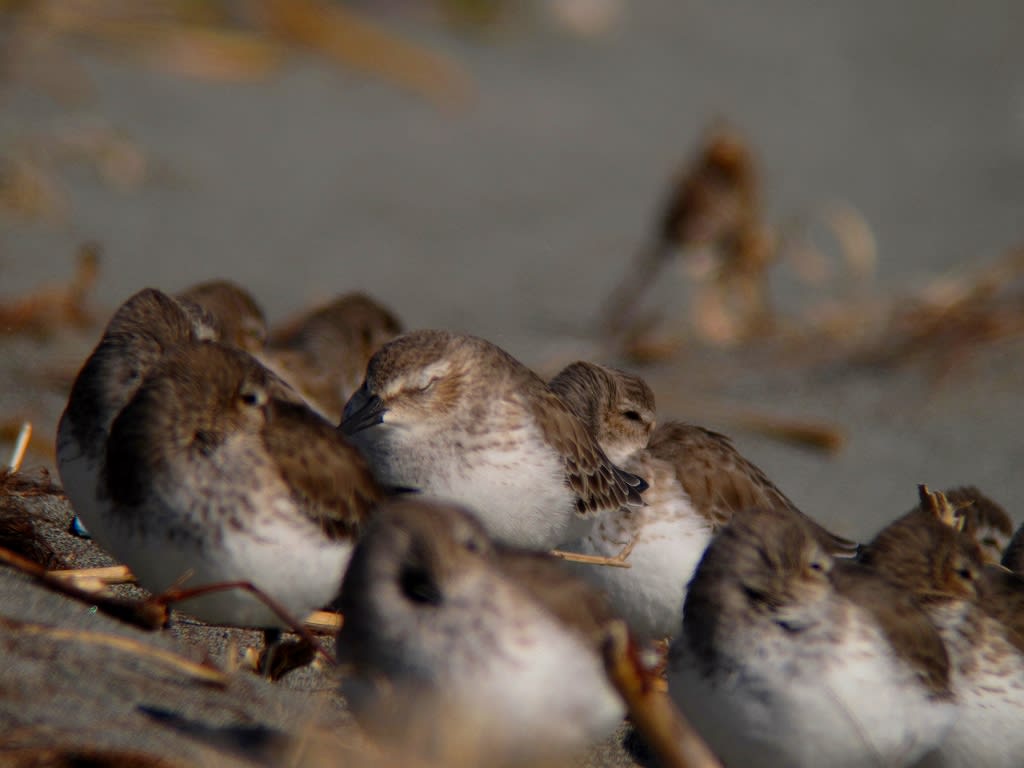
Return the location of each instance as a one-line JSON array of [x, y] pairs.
[[672, 739]]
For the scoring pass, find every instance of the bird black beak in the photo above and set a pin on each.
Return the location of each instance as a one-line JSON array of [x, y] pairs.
[[362, 411]]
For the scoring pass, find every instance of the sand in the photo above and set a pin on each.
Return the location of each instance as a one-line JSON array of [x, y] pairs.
[[512, 219]]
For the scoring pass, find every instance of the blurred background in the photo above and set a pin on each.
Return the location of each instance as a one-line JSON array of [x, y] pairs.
[[798, 220]]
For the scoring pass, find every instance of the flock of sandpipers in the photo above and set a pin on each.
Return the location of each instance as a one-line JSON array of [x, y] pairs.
[[419, 481]]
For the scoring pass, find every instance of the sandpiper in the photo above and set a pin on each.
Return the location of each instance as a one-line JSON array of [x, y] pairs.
[[215, 474], [323, 353], [788, 657], [239, 317], [984, 519], [927, 553], [457, 417], [144, 328], [456, 642], [697, 480]]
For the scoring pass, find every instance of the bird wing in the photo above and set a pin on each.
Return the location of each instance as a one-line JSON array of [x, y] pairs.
[[329, 479], [597, 483], [721, 482]]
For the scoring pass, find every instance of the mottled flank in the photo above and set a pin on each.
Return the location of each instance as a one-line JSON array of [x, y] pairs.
[[237, 315], [901, 620], [597, 483], [1002, 597]]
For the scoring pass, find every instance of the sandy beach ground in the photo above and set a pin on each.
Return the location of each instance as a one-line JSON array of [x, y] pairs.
[[512, 217]]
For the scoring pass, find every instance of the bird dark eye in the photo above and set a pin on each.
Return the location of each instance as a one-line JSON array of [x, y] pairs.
[[754, 595], [964, 574], [419, 587], [632, 416], [817, 565], [250, 398]]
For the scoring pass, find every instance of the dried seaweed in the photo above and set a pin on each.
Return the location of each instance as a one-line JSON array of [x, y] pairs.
[[202, 672], [19, 534], [147, 614], [244, 40], [14, 482], [663, 728], [34, 483], [952, 317], [712, 216], [176, 594], [713, 222], [29, 189], [51, 308]]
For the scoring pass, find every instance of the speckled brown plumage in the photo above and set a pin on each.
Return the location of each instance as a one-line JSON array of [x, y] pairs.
[[721, 482], [617, 407], [213, 469], [1002, 597], [788, 657], [144, 328], [597, 483], [927, 552], [238, 316], [200, 397], [324, 352], [984, 519], [927, 555], [457, 416]]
